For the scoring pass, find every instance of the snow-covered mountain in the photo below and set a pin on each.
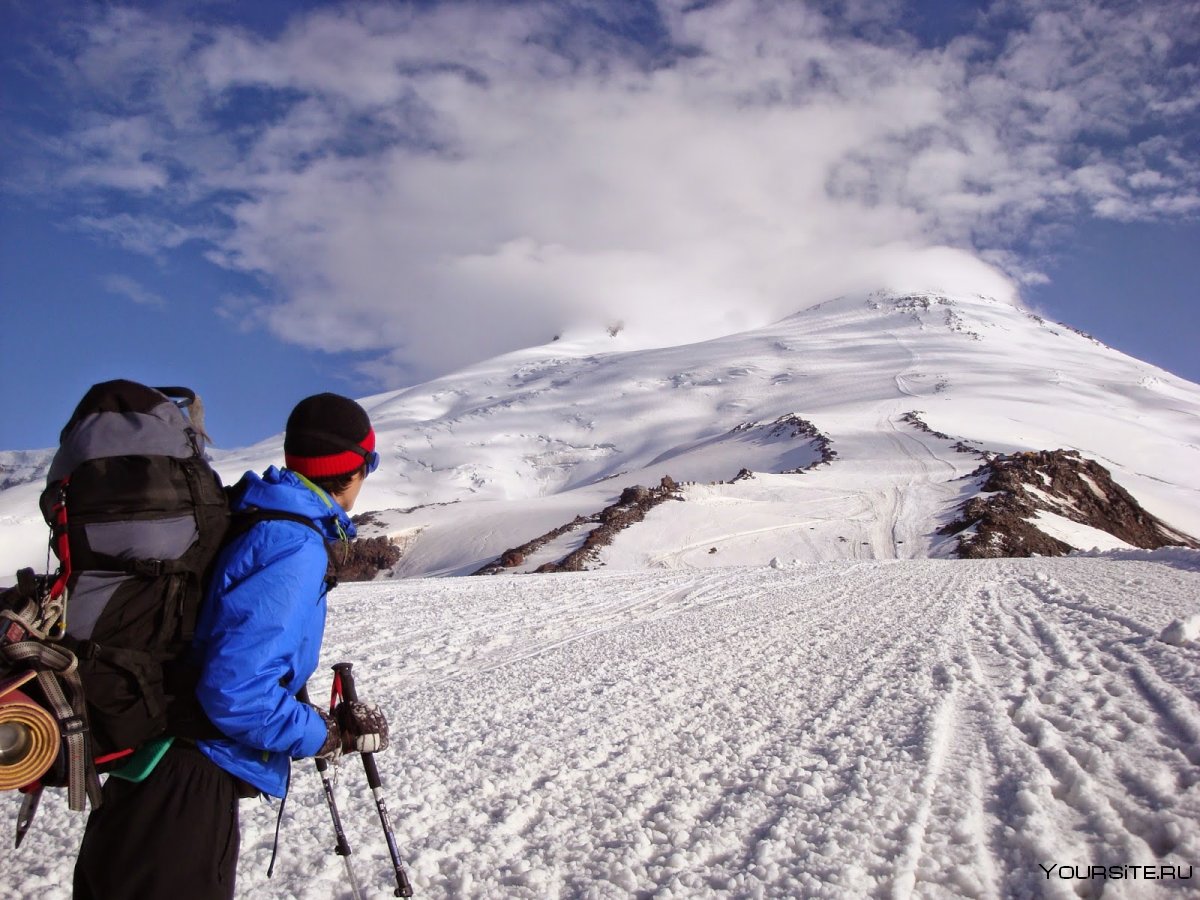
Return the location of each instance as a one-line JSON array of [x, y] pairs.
[[819, 712], [859, 424], [869, 404]]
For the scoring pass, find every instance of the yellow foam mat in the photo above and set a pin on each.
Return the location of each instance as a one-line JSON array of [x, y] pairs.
[[30, 735]]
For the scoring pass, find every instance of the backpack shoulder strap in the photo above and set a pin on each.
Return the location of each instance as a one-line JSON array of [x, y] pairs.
[[241, 522]]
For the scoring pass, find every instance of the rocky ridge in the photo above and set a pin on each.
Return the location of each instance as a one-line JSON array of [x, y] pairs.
[[791, 426], [1000, 520], [631, 507]]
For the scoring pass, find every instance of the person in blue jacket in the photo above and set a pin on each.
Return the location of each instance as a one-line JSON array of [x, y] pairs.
[[174, 833]]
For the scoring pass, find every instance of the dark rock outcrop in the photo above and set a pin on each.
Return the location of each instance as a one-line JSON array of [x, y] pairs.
[[631, 507], [804, 428], [791, 426], [516, 556], [997, 522], [913, 418], [364, 558]]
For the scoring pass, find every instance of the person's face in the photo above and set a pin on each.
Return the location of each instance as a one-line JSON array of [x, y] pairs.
[[347, 497]]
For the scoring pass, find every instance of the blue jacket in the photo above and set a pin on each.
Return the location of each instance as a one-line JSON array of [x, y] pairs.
[[258, 636]]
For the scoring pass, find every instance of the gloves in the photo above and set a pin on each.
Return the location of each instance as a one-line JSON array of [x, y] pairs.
[[363, 727], [332, 748], [354, 726]]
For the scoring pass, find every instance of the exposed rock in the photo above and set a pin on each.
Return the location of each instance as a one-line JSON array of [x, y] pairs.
[[632, 495], [915, 304], [367, 519], [791, 426], [911, 303], [371, 520], [364, 558], [1014, 488], [516, 556], [914, 419], [1082, 334], [613, 520], [804, 428], [631, 507]]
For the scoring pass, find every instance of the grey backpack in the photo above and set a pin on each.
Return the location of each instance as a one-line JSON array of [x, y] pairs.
[[137, 516]]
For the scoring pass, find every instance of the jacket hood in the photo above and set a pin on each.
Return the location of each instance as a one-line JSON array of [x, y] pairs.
[[283, 491]]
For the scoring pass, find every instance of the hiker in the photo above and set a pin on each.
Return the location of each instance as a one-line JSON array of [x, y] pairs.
[[174, 833]]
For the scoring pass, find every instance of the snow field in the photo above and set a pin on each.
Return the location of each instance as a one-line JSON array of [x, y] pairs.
[[857, 729]]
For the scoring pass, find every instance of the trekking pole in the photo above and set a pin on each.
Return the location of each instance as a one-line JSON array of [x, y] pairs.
[[343, 684], [343, 846]]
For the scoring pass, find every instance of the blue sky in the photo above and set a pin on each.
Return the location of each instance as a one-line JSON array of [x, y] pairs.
[[267, 200]]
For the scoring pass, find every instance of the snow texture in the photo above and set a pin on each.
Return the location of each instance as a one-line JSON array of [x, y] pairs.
[[849, 729], [490, 457], [1182, 631], [778, 687]]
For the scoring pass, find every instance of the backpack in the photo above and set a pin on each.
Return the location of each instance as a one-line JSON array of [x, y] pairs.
[[137, 516]]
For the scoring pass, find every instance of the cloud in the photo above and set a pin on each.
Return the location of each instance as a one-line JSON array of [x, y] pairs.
[[438, 184], [124, 286], [151, 234]]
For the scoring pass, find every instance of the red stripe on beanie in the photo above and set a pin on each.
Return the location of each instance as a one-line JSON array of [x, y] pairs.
[[333, 464]]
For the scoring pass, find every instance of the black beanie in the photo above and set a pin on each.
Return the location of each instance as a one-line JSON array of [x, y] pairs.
[[322, 435]]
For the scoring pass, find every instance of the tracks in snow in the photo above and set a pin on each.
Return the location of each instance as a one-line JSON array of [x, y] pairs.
[[880, 730], [1060, 740]]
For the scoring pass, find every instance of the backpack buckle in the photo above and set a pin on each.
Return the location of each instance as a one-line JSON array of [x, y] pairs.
[[73, 725], [147, 568]]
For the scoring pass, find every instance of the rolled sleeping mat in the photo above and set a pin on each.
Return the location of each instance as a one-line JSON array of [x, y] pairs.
[[29, 739]]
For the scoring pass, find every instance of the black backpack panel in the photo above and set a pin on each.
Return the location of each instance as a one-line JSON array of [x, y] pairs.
[[145, 517]]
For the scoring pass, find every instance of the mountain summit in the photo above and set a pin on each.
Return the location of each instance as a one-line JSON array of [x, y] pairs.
[[864, 427], [856, 428]]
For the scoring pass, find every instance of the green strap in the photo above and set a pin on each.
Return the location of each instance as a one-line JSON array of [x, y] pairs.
[[144, 760], [320, 492], [325, 498]]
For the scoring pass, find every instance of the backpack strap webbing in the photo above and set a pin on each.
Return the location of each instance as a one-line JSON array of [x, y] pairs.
[[28, 643], [58, 676], [241, 522]]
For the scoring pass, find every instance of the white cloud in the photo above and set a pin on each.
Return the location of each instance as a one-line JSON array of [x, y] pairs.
[[130, 289], [443, 184], [141, 233]]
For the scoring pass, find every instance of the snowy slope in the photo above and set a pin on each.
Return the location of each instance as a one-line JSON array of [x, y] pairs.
[[855, 719], [526, 441], [498, 453], [532, 426], [845, 729]]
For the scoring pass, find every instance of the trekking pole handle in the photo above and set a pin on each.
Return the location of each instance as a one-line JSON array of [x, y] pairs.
[[348, 691], [344, 683]]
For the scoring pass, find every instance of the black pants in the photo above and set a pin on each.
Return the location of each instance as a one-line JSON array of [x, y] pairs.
[[173, 835]]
